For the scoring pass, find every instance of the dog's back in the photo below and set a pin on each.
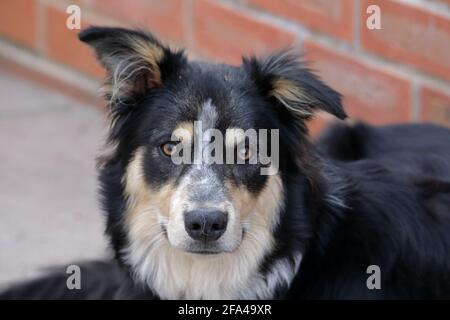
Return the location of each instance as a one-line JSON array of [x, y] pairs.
[[422, 150], [398, 211], [419, 153]]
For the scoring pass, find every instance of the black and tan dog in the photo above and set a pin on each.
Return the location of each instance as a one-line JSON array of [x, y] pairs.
[[362, 197]]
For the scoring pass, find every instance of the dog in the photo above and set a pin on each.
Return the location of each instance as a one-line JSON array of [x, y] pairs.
[[312, 227]]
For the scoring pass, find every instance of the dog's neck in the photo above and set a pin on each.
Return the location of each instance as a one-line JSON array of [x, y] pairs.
[[218, 277]]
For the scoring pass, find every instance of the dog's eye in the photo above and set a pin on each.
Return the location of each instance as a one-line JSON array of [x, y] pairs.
[[244, 153], [168, 148]]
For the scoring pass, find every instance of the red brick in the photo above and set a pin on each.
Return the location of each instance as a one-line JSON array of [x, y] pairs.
[[63, 44], [18, 20], [225, 34], [409, 35], [436, 106], [164, 18], [318, 124], [369, 94], [329, 16]]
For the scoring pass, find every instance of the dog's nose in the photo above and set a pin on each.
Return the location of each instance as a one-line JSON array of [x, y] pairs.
[[205, 224]]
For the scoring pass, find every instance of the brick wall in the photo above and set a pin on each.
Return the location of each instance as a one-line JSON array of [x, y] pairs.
[[398, 73]]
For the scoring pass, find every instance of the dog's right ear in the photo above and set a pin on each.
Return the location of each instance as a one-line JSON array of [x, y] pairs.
[[135, 61], [293, 86]]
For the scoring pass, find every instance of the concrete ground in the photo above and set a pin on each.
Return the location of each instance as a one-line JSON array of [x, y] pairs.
[[49, 213]]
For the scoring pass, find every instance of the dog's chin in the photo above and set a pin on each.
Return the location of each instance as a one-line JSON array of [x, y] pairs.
[[206, 249]]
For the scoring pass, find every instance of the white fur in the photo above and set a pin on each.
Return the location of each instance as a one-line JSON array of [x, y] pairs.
[[282, 272]]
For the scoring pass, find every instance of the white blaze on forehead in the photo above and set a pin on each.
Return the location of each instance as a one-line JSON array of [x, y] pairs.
[[204, 130], [208, 115]]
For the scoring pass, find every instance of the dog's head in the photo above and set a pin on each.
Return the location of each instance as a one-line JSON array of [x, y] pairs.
[[200, 149]]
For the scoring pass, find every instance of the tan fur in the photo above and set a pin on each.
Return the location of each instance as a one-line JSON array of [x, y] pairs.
[[288, 93], [233, 137], [184, 132], [173, 273], [141, 196], [135, 73], [150, 53], [247, 205]]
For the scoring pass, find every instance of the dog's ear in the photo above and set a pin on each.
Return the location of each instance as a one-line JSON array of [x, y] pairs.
[[135, 61], [284, 78]]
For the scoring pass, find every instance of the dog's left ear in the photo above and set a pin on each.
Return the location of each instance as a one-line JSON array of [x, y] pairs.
[[283, 77], [135, 61]]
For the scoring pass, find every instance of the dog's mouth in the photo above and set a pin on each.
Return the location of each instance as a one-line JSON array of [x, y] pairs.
[[205, 252], [208, 248], [164, 230]]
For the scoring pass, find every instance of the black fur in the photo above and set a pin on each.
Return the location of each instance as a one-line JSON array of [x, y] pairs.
[[361, 196]]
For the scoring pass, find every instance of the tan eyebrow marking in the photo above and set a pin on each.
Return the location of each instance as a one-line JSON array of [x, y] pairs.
[[234, 136], [184, 131]]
